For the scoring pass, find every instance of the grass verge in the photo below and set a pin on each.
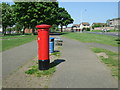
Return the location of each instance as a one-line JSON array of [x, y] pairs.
[[33, 70], [93, 38], [56, 54], [111, 61], [8, 42]]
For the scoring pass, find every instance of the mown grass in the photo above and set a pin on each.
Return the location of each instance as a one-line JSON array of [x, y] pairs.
[[9, 42], [56, 54], [111, 61], [93, 38], [33, 70]]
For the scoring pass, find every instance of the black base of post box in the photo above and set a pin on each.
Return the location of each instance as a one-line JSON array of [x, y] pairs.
[[43, 64]]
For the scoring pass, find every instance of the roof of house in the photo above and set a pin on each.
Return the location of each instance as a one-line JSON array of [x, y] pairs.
[[99, 23], [85, 23], [68, 27], [77, 25], [115, 19]]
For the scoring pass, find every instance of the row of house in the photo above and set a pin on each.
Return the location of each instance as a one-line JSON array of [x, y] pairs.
[[109, 25], [82, 26], [114, 23]]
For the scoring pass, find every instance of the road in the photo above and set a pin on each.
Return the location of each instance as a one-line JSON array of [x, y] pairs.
[[14, 58], [115, 34], [81, 69]]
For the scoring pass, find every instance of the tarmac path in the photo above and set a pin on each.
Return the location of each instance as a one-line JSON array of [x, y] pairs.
[[81, 68], [14, 58]]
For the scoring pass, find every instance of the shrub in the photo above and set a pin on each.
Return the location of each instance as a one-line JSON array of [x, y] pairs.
[[87, 29]]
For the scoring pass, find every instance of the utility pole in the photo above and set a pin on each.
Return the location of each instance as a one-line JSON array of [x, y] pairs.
[[82, 16]]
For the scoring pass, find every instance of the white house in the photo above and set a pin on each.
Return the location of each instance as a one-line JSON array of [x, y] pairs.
[[0, 29], [80, 27], [84, 25]]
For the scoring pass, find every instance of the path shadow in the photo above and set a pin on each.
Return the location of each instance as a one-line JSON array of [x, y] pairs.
[[56, 62], [117, 40]]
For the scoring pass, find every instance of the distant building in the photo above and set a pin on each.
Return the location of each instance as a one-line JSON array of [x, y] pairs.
[[80, 27], [84, 25], [68, 29], [29, 30], [101, 28], [76, 27], [100, 24], [115, 22]]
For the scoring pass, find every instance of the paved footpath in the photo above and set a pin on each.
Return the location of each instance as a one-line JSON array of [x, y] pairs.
[[81, 69], [13, 58]]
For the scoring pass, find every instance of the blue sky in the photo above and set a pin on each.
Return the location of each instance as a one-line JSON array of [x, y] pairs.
[[91, 11]]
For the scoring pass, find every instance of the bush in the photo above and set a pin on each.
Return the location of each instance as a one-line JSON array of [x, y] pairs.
[[87, 29]]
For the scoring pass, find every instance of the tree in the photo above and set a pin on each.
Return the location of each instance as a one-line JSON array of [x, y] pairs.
[[64, 18], [18, 27], [0, 17], [21, 17], [32, 13], [7, 17], [99, 25]]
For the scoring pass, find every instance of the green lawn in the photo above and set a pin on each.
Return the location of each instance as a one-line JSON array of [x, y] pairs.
[[8, 42], [93, 38], [111, 61]]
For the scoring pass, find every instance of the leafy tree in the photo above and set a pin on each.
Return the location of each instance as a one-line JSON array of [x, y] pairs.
[[0, 14], [99, 25], [64, 18], [18, 27], [29, 14], [54, 28], [20, 9], [7, 16], [9, 30]]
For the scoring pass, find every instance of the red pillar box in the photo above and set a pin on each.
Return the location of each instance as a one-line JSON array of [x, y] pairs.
[[43, 46]]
